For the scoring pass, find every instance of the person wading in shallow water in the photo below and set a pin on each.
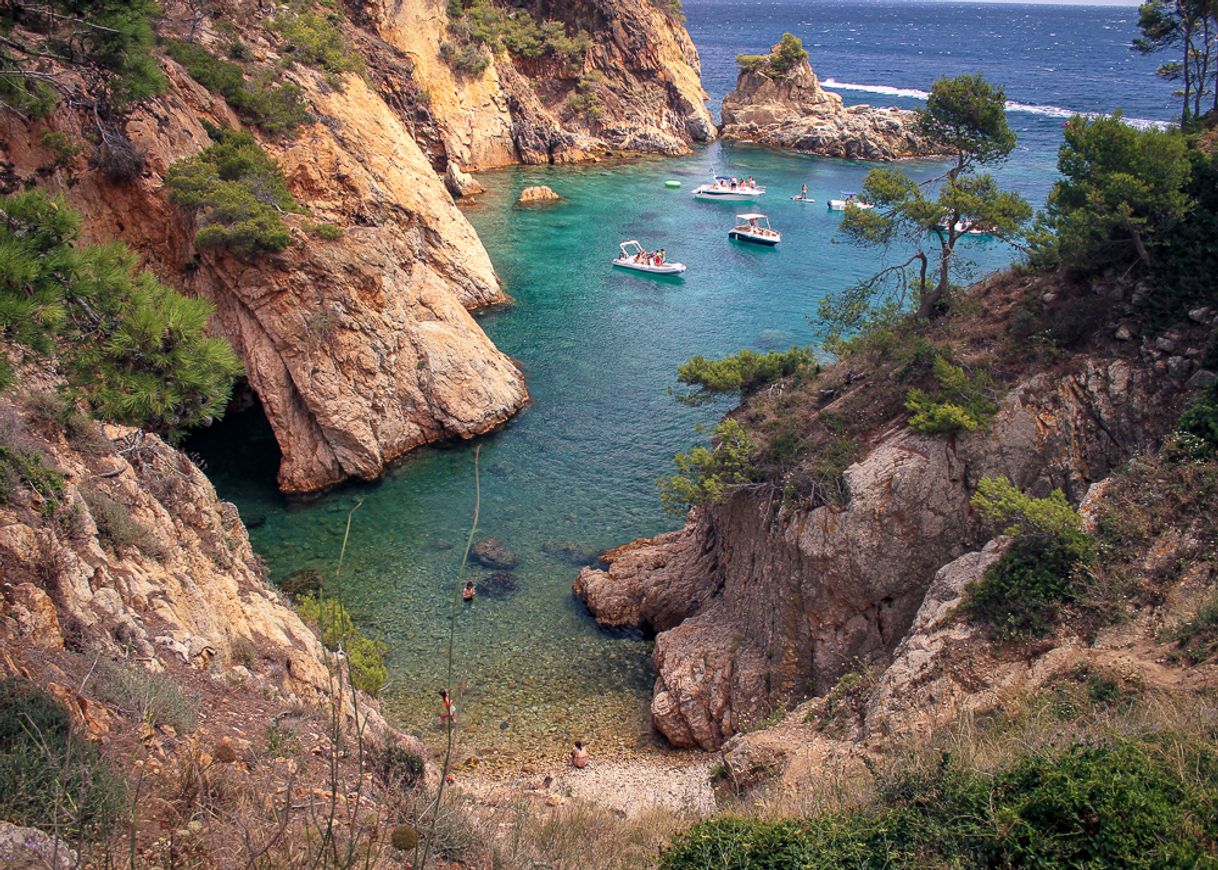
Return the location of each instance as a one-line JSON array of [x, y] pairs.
[[468, 593], [579, 755], [449, 713]]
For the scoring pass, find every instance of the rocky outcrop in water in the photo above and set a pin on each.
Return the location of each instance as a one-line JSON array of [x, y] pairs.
[[794, 111], [639, 80], [759, 605]]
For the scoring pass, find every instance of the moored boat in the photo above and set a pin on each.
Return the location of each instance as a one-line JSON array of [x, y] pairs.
[[849, 197], [725, 189], [637, 258], [754, 227]]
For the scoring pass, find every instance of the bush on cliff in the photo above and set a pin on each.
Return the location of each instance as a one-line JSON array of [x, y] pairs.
[[477, 23], [788, 54], [365, 657], [1122, 803], [238, 193], [1021, 594], [53, 777], [962, 402], [274, 109], [706, 475], [743, 372], [317, 41], [134, 350]]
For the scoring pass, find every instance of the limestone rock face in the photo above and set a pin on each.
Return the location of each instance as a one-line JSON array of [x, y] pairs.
[[650, 91], [359, 349], [795, 112], [187, 589], [790, 600]]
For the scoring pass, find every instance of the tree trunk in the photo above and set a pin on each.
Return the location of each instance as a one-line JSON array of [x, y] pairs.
[[930, 301], [1140, 245]]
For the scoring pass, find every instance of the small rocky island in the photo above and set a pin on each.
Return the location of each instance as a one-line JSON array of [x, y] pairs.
[[778, 101]]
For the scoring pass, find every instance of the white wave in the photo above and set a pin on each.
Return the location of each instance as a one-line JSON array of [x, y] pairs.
[[1012, 106]]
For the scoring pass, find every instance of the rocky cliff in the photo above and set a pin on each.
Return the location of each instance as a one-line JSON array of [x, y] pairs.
[[359, 348], [636, 87], [792, 110], [760, 603]]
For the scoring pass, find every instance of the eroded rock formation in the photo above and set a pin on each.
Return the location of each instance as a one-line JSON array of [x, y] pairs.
[[641, 66], [794, 111], [360, 349], [760, 605]]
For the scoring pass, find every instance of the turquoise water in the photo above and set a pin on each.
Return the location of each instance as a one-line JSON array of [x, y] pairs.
[[599, 347]]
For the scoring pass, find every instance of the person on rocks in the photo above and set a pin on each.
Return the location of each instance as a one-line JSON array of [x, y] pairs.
[[468, 593], [579, 755], [448, 715]]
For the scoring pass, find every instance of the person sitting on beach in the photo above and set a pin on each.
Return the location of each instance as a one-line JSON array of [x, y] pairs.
[[579, 755], [469, 591], [449, 713]]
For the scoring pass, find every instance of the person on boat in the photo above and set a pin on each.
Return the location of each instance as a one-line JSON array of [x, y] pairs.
[[468, 593], [752, 183], [579, 755], [803, 191], [449, 712], [663, 256]]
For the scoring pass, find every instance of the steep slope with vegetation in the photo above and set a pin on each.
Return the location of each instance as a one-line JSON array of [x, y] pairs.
[[829, 501], [338, 265]]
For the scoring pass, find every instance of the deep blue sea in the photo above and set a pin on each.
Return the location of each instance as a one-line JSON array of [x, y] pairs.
[[599, 348]]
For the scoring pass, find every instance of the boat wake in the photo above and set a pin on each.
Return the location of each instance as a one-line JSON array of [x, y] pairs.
[[1027, 108]]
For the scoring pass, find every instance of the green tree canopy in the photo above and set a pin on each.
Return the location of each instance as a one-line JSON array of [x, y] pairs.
[[1191, 28], [1122, 188], [132, 349], [967, 117]]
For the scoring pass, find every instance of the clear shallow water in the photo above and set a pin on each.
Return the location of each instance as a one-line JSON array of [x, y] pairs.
[[599, 347]]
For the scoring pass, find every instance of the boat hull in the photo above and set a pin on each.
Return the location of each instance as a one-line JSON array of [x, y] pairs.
[[768, 241], [666, 269]]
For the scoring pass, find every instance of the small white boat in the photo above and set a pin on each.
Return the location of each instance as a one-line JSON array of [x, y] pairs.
[[849, 197], [751, 229], [634, 256], [967, 228], [799, 197], [724, 189]]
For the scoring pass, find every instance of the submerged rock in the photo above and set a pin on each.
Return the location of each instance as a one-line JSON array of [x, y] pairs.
[[499, 584], [301, 582], [537, 195], [576, 552], [493, 553]]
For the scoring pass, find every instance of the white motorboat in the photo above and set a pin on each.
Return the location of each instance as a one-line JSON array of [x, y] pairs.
[[634, 256], [755, 228], [849, 197], [967, 228], [724, 189]]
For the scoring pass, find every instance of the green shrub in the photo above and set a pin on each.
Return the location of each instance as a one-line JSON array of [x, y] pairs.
[[478, 23], [1118, 804], [274, 109], [743, 372], [156, 698], [1198, 637], [63, 147], [1200, 422], [53, 777], [787, 55], [327, 231], [396, 767], [705, 475], [317, 41], [365, 657], [28, 468], [962, 401], [1021, 594], [118, 35], [116, 528], [586, 100], [238, 193]]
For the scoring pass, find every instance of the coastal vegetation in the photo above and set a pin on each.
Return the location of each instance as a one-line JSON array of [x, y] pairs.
[[479, 29], [238, 193], [962, 402], [1189, 27], [132, 349], [787, 54], [743, 372]]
